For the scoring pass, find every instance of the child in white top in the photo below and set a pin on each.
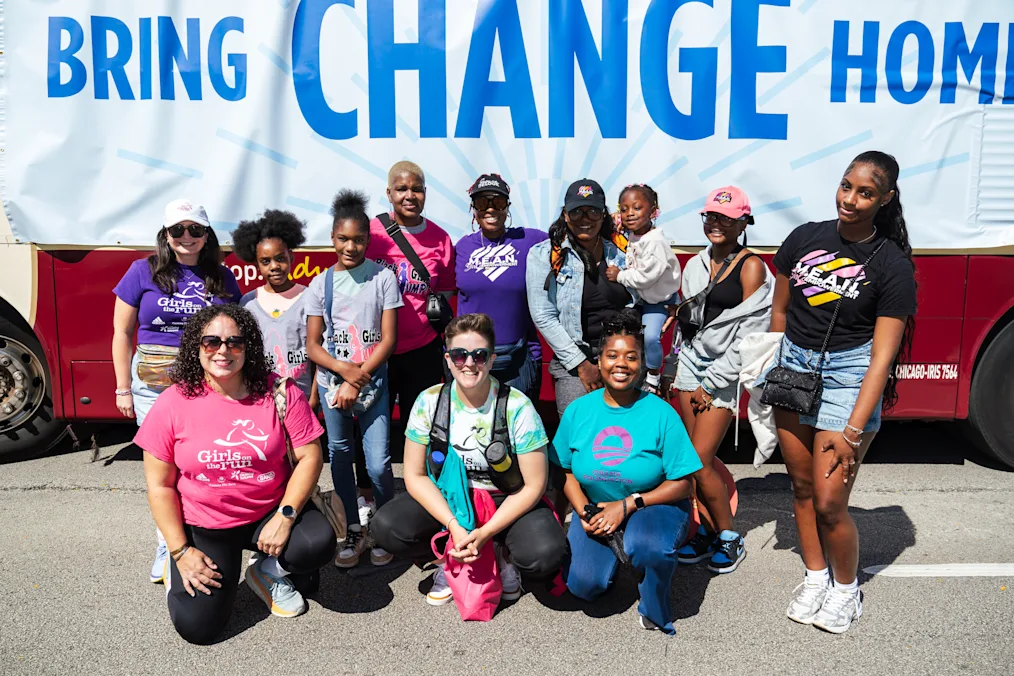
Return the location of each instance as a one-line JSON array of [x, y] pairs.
[[652, 269]]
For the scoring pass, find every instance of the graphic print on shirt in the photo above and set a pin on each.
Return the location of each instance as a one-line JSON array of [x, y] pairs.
[[234, 456], [408, 278], [826, 277], [291, 364], [188, 301], [493, 260], [612, 446], [471, 452], [355, 345]]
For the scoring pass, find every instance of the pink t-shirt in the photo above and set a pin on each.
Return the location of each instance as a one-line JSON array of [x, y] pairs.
[[230, 454], [436, 250]]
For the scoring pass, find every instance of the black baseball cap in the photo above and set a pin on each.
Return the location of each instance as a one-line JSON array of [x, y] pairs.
[[584, 193], [490, 183]]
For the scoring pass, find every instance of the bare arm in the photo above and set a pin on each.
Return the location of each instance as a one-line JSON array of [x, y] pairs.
[[275, 533], [124, 323], [780, 304], [425, 492], [319, 356], [388, 339], [164, 500], [887, 335], [535, 471]]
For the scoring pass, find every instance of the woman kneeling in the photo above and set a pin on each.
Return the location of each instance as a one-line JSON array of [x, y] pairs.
[[219, 480], [524, 525], [627, 460]]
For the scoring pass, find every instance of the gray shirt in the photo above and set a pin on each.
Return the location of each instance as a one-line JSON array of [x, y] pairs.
[[284, 339]]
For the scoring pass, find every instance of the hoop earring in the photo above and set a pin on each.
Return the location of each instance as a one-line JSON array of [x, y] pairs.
[[473, 221], [510, 219]]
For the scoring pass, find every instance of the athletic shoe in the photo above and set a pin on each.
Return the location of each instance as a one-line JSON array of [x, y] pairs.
[[366, 511], [354, 546], [806, 603], [646, 623], [440, 593], [701, 547], [510, 578], [160, 569], [380, 557], [278, 593], [728, 556], [840, 609]]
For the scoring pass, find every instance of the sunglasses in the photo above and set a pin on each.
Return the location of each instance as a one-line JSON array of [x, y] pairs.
[[710, 218], [460, 355], [214, 343], [195, 230], [484, 202], [590, 213]]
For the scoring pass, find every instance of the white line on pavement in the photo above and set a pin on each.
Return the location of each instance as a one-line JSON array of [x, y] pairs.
[[943, 570]]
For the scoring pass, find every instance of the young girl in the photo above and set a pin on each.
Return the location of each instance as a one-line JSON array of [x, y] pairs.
[[354, 307], [652, 269], [280, 304]]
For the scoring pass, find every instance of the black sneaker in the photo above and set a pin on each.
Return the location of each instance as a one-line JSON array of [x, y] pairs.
[[701, 547], [728, 555]]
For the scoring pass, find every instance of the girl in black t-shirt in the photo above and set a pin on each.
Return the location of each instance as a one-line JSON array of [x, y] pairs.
[[862, 261]]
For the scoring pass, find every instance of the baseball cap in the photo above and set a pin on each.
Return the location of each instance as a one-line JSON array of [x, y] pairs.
[[729, 201], [182, 209], [584, 193], [490, 183]]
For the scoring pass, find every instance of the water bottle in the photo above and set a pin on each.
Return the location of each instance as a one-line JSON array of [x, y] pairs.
[[504, 472]]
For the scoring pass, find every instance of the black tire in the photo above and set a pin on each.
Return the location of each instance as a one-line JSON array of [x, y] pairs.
[[37, 431], [991, 400]]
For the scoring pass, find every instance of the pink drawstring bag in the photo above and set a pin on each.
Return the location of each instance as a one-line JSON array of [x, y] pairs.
[[476, 586]]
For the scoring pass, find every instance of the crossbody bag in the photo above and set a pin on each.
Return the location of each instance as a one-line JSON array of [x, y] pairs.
[[438, 309], [688, 313]]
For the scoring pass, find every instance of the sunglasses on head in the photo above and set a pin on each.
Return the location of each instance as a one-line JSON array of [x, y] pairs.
[[484, 202], [460, 355], [195, 229], [590, 213], [214, 343]]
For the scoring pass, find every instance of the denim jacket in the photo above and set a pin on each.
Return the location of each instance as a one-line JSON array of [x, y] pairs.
[[557, 312]]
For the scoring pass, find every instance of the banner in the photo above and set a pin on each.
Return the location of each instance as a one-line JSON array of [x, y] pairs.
[[114, 108]]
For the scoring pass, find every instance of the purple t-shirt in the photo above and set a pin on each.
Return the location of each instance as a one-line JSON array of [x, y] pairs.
[[491, 279], [161, 318]]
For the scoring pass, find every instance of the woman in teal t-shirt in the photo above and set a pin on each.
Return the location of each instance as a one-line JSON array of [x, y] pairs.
[[627, 459]]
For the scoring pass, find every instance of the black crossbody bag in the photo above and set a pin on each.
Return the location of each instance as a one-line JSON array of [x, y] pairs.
[[438, 309], [685, 311], [800, 392]]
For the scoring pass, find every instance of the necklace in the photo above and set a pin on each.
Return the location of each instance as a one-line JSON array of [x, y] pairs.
[[862, 241]]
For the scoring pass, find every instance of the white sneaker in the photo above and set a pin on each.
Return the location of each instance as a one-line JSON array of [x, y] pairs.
[[380, 556], [366, 511], [840, 609], [352, 548], [806, 603], [510, 578], [440, 594]]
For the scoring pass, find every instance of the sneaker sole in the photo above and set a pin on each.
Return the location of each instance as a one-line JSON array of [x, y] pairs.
[[265, 595], [161, 578], [352, 563], [734, 566], [439, 600], [808, 621], [840, 630], [688, 560], [510, 596], [381, 562]]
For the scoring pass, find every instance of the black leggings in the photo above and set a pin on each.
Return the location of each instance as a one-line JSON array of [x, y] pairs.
[[201, 618], [536, 540], [412, 372]]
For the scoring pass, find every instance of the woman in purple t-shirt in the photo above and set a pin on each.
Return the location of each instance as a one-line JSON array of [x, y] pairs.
[[157, 296], [490, 271]]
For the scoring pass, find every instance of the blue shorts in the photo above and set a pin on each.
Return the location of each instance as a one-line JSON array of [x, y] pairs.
[[690, 371], [843, 373]]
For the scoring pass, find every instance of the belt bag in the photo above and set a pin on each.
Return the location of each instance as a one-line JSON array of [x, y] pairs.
[[154, 363], [438, 309], [800, 392]]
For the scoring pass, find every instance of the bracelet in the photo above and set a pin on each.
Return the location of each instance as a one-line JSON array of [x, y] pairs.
[[624, 501], [122, 393], [448, 526], [854, 444], [852, 428], [179, 552]]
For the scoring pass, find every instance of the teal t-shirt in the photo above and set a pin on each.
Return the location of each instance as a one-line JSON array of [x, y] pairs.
[[615, 451]]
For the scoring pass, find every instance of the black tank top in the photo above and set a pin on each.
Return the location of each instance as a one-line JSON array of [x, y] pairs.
[[727, 294]]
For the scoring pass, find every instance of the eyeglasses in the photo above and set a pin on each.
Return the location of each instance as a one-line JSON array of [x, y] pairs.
[[195, 230], [711, 218], [214, 343], [484, 202], [460, 355], [590, 213]]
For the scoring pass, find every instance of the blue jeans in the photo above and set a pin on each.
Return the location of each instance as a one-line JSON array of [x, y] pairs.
[[650, 538], [374, 424], [652, 318]]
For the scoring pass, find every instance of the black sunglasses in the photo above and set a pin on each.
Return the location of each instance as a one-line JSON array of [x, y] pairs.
[[712, 217], [484, 202], [591, 213], [214, 343], [195, 229], [460, 355]]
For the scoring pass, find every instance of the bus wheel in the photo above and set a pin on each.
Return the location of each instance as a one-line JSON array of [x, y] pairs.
[[991, 400], [27, 425]]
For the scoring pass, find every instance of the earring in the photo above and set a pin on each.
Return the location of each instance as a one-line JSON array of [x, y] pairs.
[[473, 221], [510, 218]]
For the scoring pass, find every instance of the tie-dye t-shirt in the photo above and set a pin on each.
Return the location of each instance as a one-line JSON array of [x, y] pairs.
[[472, 428], [822, 267], [615, 451]]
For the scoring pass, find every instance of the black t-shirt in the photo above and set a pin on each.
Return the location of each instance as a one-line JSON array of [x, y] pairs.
[[601, 299], [822, 267]]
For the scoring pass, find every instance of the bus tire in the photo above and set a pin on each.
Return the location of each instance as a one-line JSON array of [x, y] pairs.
[[991, 399], [28, 427]]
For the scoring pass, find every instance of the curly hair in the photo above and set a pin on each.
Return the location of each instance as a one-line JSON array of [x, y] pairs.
[[625, 322], [350, 205], [274, 224], [189, 375]]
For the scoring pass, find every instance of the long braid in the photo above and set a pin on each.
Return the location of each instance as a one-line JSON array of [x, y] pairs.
[[559, 231]]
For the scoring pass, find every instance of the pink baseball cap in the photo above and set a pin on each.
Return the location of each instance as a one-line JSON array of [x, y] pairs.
[[729, 201]]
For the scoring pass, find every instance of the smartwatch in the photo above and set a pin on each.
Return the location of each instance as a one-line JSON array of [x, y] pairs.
[[638, 500], [287, 511]]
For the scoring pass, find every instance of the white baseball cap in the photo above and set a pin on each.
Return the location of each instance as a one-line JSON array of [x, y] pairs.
[[182, 209]]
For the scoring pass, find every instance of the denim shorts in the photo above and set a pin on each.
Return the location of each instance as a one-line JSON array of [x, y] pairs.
[[690, 370], [843, 373], [143, 395]]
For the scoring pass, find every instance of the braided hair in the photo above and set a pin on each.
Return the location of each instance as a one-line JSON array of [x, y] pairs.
[[649, 194], [625, 322], [890, 222], [559, 231]]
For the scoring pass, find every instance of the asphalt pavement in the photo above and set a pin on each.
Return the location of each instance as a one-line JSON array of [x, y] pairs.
[[77, 541]]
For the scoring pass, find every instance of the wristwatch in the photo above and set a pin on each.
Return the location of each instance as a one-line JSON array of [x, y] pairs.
[[638, 500], [287, 511]]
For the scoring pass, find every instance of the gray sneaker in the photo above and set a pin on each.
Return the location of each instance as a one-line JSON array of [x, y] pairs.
[[806, 603], [840, 609], [278, 593]]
